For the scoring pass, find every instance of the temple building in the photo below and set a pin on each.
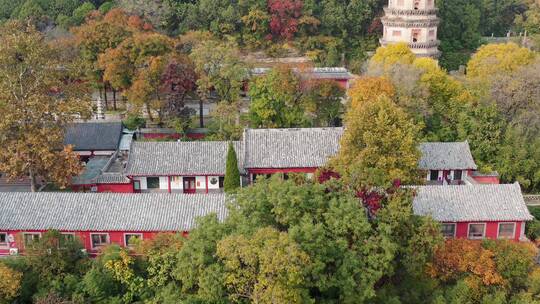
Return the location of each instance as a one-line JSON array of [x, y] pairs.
[[413, 22]]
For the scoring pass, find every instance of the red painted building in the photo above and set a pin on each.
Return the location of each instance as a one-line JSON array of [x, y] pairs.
[[99, 219], [300, 150], [495, 211]]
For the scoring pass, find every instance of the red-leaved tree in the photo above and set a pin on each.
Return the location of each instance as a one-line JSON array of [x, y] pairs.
[[178, 80], [284, 17]]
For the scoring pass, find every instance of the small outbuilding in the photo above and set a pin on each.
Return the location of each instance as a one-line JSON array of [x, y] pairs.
[[495, 211]]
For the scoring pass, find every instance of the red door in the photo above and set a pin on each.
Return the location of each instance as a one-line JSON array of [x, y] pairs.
[[189, 184]]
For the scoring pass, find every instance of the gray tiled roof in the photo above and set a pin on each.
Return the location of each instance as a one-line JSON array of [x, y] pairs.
[[290, 148], [111, 178], [446, 156], [107, 211], [182, 158], [92, 169], [495, 202], [317, 72], [86, 136]]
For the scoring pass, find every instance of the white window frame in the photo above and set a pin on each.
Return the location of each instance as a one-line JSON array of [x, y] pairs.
[[6, 243], [476, 238], [30, 233], [125, 239], [455, 229], [513, 230], [99, 246]]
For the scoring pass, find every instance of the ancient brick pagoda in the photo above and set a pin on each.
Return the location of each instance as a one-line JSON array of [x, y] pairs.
[[413, 22]]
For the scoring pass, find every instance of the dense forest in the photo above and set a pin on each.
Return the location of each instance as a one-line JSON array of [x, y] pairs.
[[331, 32]]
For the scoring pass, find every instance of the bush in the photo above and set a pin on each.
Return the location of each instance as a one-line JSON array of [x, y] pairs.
[[133, 122], [106, 7]]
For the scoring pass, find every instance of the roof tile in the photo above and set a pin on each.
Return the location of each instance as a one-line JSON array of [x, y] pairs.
[[495, 202]]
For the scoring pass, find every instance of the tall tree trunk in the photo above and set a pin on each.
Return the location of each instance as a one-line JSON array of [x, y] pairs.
[[114, 98], [201, 119], [105, 96], [33, 186], [149, 112]]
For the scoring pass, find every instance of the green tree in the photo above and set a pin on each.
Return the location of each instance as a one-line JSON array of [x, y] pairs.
[[232, 174], [323, 102], [517, 161], [55, 256], [80, 13], [34, 117], [220, 68], [459, 31], [346, 256], [277, 100], [268, 267]]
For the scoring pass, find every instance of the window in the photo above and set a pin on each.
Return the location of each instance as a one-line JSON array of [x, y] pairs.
[[415, 33], [99, 239], [30, 238], [458, 174], [448, 230], [476, 231], [431, 33], [433, 175], [3, 239], [507, 230], [130, 239], [66, 238], [221, 181], [396, 33], [152, 182], [136, 185], [416, 4]]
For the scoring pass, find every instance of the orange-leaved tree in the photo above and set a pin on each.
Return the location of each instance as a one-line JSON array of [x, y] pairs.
[[38, 98]]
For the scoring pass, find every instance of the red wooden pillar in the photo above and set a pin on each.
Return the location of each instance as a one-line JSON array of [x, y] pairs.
[[206, 183], [169, 183]]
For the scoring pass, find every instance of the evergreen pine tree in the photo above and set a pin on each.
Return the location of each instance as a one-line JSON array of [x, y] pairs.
[[232, 174]]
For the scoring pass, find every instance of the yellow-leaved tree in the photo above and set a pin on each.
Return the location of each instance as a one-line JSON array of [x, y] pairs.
[[495, 59], [10, 283], [379, 145], [38, 97], [390, 55], [369, 88]]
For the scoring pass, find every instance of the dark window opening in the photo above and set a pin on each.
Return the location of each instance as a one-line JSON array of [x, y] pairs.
[[221, 181], [458, 175], [448, 230], [3, 239], [99, 240], [152, 182], [433, 175]]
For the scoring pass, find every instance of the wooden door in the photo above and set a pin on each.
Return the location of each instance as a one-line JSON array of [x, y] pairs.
[[189, 184]]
